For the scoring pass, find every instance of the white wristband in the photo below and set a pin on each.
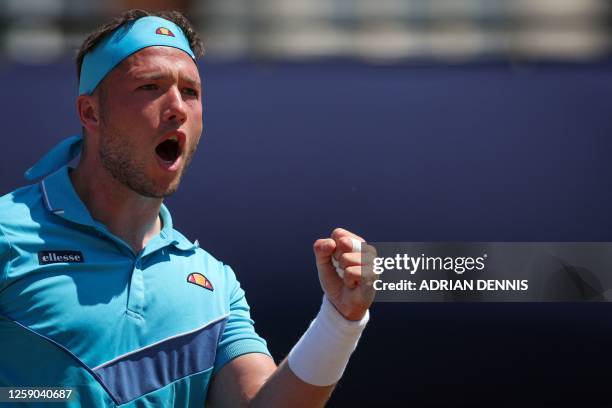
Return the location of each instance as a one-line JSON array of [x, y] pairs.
[[321, 355]]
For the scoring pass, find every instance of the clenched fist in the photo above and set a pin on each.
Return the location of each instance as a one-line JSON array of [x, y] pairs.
[[353, 293]]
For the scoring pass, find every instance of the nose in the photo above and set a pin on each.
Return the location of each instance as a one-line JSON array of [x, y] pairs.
[[174, 109]]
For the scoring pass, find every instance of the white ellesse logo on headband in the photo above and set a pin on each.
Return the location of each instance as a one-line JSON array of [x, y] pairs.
[[164, 31]]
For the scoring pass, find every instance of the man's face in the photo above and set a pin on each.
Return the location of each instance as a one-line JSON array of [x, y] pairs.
[[150, 120]]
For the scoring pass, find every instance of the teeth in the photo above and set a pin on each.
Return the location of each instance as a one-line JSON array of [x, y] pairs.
[[173, 138]]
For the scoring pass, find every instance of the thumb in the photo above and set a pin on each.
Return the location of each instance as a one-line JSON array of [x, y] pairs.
[[323, 250]]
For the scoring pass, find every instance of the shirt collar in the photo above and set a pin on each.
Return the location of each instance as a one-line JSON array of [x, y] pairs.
[[61, 199], [60, 155], [168, 232]]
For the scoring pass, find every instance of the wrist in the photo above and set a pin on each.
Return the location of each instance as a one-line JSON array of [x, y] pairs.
[[321, 355], [351, 316]]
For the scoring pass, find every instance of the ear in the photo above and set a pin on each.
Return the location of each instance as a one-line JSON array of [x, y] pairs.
[[88, 108]]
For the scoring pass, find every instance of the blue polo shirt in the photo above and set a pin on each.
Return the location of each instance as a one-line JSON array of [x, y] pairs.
[[78, 308]]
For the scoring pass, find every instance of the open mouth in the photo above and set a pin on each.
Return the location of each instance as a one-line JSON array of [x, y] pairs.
[[169, 150]]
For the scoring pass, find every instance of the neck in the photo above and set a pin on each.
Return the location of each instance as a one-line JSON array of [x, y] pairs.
[[127, 214]]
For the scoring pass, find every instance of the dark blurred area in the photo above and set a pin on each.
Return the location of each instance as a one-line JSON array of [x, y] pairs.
[[403, 120]]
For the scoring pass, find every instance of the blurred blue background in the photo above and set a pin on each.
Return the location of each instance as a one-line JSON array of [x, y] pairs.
[[402, 120]]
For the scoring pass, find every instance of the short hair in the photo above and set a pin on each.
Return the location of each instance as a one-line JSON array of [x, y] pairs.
[[101, 32]]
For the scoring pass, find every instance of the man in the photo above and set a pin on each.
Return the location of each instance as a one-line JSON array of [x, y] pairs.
[[101, 293]]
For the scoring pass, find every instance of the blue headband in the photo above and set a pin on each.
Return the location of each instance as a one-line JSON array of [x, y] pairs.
[[125, 41]]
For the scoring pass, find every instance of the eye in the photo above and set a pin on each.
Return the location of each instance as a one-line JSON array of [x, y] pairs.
[[191, 92], [148, 87]]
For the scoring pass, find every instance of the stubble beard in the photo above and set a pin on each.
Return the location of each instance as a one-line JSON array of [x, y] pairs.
[[118, 156]]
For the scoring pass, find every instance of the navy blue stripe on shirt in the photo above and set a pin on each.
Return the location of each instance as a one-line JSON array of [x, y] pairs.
[[153, 367]]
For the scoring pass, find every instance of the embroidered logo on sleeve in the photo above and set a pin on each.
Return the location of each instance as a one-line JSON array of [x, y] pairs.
[[51, 257], [200, 280]]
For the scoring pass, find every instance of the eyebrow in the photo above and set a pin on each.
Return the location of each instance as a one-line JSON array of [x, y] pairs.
[[158, 75]]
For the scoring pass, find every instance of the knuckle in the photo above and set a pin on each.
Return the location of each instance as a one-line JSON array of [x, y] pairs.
[[346, 243], [353, 272], [337, 232], [321, 243], [347, 259]]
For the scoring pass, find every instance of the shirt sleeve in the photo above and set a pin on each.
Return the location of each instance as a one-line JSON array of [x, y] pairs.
[[239, 336], [5, 249]]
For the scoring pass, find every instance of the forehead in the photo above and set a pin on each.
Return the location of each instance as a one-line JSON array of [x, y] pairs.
[[158, 59]]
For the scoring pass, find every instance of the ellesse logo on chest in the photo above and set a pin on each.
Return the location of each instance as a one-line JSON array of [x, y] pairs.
[[51, 257]]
